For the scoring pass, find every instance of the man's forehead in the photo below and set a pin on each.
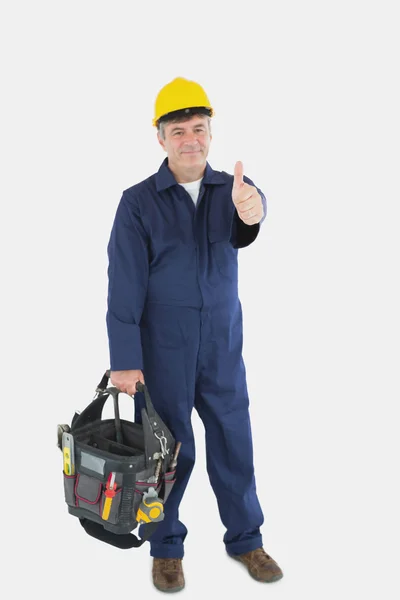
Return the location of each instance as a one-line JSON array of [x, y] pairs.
[[193, 122]]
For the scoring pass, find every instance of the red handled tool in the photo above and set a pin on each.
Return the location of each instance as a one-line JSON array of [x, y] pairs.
[[109, 493]]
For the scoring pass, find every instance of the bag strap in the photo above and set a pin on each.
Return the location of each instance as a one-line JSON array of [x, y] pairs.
[[124, 541]]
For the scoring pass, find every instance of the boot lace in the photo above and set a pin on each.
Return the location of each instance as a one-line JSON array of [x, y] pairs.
[[261, 556], [169, 565]]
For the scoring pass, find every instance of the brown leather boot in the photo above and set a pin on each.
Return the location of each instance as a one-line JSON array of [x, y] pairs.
[[260, 565], [168, 574]]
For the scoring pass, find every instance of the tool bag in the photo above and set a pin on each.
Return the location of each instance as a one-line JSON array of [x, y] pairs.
[[113, 465]]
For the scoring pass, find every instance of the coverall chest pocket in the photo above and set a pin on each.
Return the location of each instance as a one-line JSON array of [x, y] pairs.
[[223, 254]]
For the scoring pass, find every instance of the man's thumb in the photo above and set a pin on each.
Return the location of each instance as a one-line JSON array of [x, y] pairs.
[[238, 174]]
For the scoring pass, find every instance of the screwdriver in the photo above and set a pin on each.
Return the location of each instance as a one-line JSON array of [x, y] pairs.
[[174, 461], [109, 493]]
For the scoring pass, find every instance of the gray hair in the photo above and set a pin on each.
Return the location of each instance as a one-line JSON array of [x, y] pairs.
[[161, 126]]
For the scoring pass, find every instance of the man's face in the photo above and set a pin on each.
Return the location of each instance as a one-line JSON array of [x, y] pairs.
[[187, 143]]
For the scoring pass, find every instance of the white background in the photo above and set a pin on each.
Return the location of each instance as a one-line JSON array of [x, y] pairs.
[[306, 95]]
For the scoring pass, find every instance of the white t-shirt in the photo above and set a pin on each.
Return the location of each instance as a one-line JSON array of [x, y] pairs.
[[193, 187]]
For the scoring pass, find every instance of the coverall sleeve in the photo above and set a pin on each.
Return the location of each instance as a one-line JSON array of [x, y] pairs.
[[128, 273], [243, 235]]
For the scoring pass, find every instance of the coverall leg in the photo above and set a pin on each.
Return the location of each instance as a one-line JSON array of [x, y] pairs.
[[192, 358]]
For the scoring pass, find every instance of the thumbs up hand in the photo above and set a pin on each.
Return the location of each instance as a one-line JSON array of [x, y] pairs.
[[246, 198]]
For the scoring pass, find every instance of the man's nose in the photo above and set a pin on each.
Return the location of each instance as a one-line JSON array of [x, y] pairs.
[[190, 137]]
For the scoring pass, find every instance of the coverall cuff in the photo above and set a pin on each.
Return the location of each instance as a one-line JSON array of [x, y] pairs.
[[242, 235], [125, 346], [160, 550], [235, 548]]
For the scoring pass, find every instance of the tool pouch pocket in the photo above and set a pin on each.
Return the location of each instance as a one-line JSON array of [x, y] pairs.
[[169, 480], [69, 489], [88, 492], [140, 488]]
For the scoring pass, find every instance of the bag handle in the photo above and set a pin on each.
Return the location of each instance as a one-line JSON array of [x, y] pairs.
[[94, 410], [140, 387]]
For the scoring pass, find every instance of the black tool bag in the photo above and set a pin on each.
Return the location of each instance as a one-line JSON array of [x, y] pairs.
[[129, 451]]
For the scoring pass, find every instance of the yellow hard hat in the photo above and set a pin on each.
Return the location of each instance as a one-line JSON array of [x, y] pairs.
[[181, 96]]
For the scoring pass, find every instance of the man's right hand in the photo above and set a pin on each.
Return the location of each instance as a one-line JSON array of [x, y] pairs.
[[126, 380]]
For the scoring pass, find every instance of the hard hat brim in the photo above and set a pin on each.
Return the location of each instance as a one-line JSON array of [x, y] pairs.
[[203, 110]]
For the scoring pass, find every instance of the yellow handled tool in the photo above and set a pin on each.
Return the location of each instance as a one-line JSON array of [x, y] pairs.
[[68, 453]]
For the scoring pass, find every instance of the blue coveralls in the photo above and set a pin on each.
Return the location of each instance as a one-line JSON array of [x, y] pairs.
[[174, 313]]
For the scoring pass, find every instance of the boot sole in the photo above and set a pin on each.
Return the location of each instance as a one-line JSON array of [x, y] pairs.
[[274, 578], [169, 590]]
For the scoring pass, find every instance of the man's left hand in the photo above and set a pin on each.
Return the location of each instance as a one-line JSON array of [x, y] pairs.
[[246, 198]]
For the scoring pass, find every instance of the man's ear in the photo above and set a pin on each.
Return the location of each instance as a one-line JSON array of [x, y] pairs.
[[161, 141]]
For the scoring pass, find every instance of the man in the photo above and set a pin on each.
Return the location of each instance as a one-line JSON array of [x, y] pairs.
[[174, 317]]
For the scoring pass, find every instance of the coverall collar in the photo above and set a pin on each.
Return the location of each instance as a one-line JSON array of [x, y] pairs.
[[165, 178]]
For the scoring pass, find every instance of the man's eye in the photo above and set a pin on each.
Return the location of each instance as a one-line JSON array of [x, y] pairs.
[[197, 130]]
